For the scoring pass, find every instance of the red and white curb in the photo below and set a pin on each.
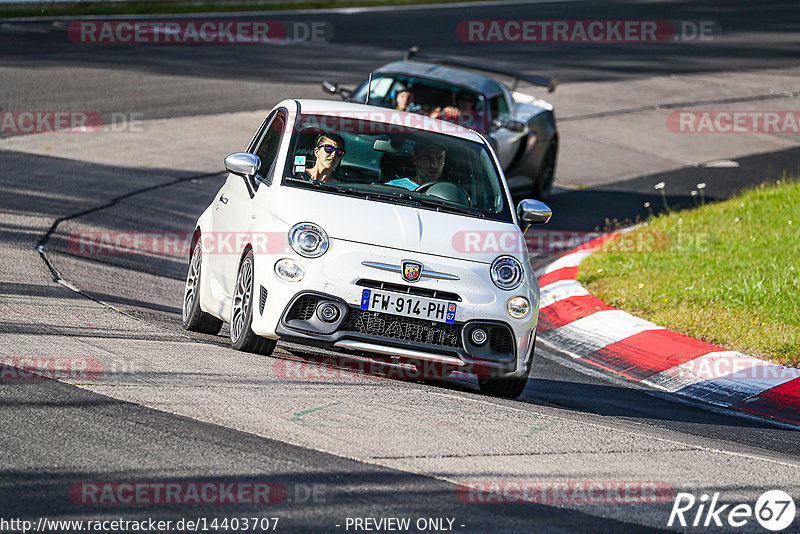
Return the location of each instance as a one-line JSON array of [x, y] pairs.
[[588, 329]]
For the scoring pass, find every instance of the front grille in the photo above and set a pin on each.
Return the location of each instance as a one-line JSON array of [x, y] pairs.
[[403, 328], [303, 308], [500, 339], [410, 290]]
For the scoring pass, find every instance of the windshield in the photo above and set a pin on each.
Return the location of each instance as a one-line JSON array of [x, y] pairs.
[[434, 99], [396, 163]]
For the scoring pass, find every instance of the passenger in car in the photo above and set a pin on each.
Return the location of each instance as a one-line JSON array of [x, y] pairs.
[[329, 151], [429, 161], [464, 115]]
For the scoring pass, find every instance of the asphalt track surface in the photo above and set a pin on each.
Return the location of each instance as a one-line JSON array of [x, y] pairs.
[[182, 407]]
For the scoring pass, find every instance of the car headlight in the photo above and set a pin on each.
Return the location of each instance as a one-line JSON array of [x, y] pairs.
[[308, 240], [506, 272]]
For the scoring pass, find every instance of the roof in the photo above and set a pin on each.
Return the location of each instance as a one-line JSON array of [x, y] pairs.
[[440, 73], [358, 111]]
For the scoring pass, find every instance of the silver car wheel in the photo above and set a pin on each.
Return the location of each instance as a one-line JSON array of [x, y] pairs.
[[192, 281], [242, 298]]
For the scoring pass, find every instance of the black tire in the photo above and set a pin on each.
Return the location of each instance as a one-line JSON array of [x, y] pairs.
[[547, 173], [242, 336], [510, 387], [193, 318]]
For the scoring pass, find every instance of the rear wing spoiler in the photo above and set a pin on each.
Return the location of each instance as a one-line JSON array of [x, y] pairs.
[[413, 55]]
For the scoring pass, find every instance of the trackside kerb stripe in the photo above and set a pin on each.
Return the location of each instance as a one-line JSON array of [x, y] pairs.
[[724, 377], [592, 331], [598, 330], [565, 273], [596, 242], [573, 259], [648, 353], [782, 402], [568, 310]]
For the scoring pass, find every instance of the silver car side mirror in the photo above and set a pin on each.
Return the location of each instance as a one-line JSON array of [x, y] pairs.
[[533, 211], [330, 88], [243, 164]]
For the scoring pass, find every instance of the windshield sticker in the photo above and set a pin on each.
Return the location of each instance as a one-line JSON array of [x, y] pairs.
[[300, 160]]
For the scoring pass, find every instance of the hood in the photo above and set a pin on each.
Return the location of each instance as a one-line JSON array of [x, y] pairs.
[[399, 227]]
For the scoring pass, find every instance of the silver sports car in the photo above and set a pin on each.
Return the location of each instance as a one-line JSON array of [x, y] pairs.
[[520, 127]]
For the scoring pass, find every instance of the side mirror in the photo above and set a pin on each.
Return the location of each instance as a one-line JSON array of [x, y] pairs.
[[333, 89], [508, 124], [243, 164], [514, 125], [533, 211], [330, 88]]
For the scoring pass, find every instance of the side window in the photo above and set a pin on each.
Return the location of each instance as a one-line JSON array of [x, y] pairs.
[[267, 150], [498, 107]]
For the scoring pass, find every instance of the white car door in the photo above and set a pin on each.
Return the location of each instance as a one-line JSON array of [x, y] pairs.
[[235, 210]]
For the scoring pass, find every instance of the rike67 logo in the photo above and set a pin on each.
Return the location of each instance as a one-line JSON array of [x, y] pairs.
[[774, 510]]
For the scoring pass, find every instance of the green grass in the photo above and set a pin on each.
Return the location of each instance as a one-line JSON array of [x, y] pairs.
[[59, 9], [727, 273]]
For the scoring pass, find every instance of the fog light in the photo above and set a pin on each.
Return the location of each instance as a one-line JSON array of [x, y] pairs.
[[479, 336], [518, 307], [289, 270], [328, 312]]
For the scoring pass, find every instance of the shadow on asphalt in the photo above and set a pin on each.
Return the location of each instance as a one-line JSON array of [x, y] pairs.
[[310, 491]]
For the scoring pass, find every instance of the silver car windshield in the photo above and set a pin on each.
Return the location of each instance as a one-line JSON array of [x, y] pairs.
[[397, 163]]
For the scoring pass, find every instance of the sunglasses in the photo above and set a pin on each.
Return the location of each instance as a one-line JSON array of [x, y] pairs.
[[330, 149]]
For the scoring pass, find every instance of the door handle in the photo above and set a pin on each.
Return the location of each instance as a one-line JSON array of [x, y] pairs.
[[223, 199]]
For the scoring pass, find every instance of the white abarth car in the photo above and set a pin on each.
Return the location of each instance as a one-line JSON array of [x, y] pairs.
[[313, 239]]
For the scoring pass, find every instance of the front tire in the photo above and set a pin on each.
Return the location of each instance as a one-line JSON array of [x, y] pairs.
[[510, 387], [242, 336], [193, 317]]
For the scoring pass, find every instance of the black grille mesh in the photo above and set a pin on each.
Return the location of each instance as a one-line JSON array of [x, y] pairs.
[[500, 339], [403, 328], [303, 308]]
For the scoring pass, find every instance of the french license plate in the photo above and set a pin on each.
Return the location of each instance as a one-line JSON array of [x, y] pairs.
[[408, 306]]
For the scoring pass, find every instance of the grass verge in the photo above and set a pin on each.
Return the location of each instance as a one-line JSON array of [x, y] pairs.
[[727, 273], [63, 9]]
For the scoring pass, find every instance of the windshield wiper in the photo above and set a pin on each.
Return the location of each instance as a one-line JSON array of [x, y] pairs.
[[443, 206], [406, 199], [326, 186]]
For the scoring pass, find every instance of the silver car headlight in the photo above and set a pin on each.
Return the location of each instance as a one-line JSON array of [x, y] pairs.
[[308, 240], [507, 272]]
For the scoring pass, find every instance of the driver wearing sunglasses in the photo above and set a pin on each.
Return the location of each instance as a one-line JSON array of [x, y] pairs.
[[329, 151]]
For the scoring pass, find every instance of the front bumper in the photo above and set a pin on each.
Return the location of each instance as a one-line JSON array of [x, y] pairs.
[[340, 277], [402, 337]]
